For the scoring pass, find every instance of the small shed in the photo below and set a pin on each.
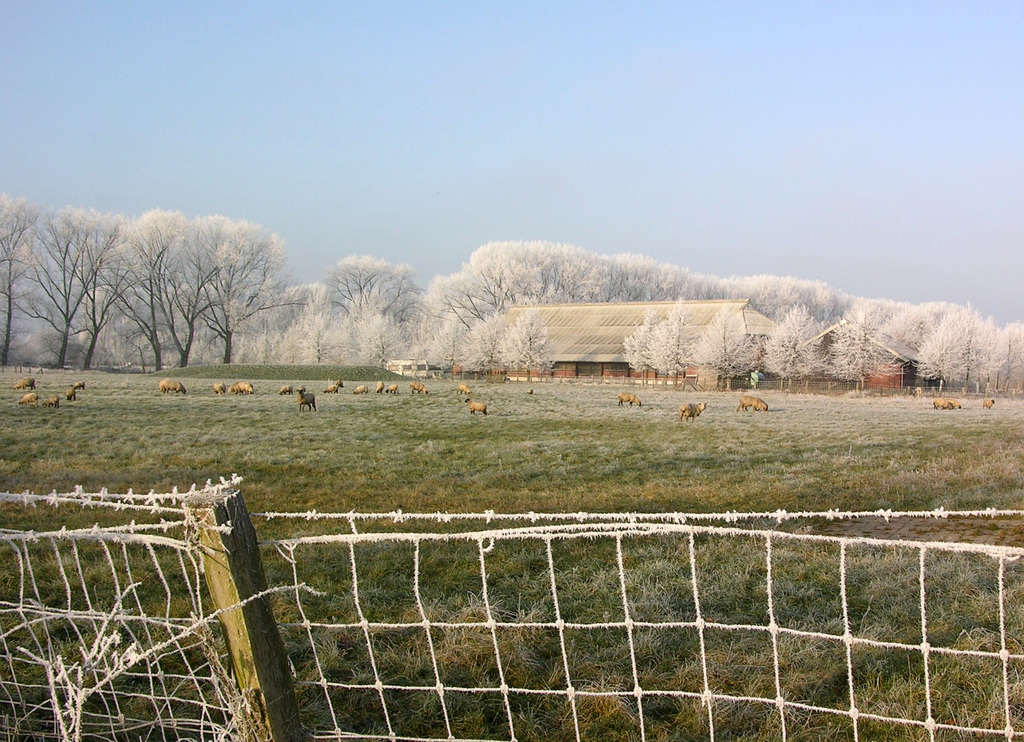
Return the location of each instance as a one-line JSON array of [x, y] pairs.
[[901, 370]]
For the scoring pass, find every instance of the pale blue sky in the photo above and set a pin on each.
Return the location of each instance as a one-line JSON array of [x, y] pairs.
[[876, 146]]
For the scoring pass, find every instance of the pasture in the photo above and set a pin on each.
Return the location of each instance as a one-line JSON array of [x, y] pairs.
[[568, 448], [563, 448]]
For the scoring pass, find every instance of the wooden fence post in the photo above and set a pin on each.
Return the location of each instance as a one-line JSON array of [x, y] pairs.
[[234, 573]]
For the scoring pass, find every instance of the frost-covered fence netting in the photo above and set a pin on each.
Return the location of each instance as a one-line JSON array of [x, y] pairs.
[[646, 627], [106, 631]]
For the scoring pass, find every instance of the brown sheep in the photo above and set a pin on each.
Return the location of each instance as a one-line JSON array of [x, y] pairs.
[[380, 387], [953, 404], [28, 382], [692, 411], [79, 385], [219, 389], [463, 389], [631, 398], [391, 389], [70, 395], [170, 385], [52, 402], [416, 387], [361, 389], [475, 407], [241, 387], [988, 404], [755, 403], [306, 400], [939, 404], [332, 389], [286, 390], [31, 398]]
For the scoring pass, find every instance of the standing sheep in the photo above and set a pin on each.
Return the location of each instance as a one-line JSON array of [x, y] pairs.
[[70, 395], [416, 387], [331, 389], [988, 404], [31, 398], [306, 400], [28, 382], [380, 387], [79, 385], [755, 403], [361, 389], [52, 402], [391, 389], [219, 389], [463, 389], [475, 407], [170, 385], [631, 398], [286, 390], [241, 387], [691, 411]]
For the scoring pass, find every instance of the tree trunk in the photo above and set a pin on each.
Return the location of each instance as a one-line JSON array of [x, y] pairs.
[[62, 354], [87, 361], [8, 325], [227, 347]]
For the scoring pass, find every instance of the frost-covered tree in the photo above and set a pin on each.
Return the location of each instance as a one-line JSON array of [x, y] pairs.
[[483, 349], [374, 337], [315, 336], [526, 343], [671, 344], [638, 346], [17, 220], [1009, 356], [105, 282], [632, 277], [725, 346], [359, 281], [248, 275], [962, 347], [447, 341], [787, 352], [854, 353]]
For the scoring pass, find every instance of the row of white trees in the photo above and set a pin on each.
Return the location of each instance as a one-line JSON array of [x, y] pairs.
[[80, 287]]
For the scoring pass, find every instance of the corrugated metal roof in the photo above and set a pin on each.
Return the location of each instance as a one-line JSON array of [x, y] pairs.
[[595, 332]]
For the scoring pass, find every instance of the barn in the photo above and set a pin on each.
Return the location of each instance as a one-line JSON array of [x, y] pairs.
[[587, 339], [898, 371]]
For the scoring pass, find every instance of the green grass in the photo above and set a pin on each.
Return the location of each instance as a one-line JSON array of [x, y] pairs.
[[570, 448], [251, 372]]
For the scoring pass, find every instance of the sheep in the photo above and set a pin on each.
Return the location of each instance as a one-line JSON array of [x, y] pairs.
[[755, 403], [287, 389], [70, 395], [79, 385], [170, 385], [219, 389], [361, 389], [28, 382], [331, 389], [529, 391], [475, 407], [988, 404], [953, 404], [391, 389], [631, 398], [52, 402], [380, 387], [306, 400], [463, 389], [941, 404], [241, 387], [417, 387], [691, 411], [31, 398]]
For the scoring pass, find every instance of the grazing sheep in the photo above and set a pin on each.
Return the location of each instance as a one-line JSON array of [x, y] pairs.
[[286, 389], [28, 382], [755, 403], [380, 387], [52, 402], [306, 400], [475, 407], [31, 398], [70, 395], [953, 404], [939, 404], [529, 391], [170, 385], [219, 389], [463, 389], [391, 389], [631, 398], [988, 404], [417, 387], [691, 410], [79, 385], [241, 387], [332, 389], [361, 389]]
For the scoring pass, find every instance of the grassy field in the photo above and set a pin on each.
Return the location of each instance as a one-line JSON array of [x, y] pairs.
[[563, 448], [567, 448]]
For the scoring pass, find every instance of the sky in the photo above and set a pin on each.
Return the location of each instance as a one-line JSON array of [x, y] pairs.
[[875, 146]]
